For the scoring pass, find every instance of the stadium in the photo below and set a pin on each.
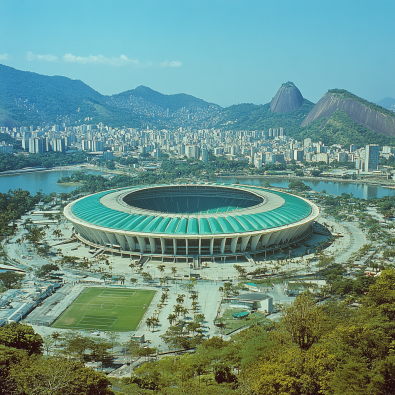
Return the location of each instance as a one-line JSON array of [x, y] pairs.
[[191, 220]]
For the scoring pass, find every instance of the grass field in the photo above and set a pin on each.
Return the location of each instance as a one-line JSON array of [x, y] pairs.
[[106, 309]]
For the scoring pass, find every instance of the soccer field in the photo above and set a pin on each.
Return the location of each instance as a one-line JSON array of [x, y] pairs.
[[106, 309]]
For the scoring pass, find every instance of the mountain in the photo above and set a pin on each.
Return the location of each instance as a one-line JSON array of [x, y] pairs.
[[388, 103], [172, 102], [288, 98], [370, 115], [28, 98], [342, 118]]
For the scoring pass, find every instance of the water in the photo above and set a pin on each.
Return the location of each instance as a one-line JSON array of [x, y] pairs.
[[361, 191], [46, 181]]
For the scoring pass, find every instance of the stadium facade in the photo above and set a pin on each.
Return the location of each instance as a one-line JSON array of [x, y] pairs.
[[185, 220]]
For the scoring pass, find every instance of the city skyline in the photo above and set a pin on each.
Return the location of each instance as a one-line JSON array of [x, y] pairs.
[[222, 52]]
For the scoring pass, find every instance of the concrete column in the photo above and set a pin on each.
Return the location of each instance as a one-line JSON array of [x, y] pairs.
[[186, 246], [111, 237], [234, 244], [254, 242], [98, 237], [131, 242], [200, 246], [175, 246], [121, 241], [152, 244], [104, 237], [244, 242], [163, 245], [142, 245], [212, 246], [222, 247]]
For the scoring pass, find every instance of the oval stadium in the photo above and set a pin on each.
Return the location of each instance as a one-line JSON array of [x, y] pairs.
[[189, 220]]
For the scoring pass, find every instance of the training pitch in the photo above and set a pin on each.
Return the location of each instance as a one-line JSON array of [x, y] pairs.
[[106, 309]]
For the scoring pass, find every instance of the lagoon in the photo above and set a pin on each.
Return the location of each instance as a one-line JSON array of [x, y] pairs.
[[359, 190], [44, 181]]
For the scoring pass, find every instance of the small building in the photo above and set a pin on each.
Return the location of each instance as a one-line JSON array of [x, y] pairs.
[[253, 287], [252, 301], [139, 338]]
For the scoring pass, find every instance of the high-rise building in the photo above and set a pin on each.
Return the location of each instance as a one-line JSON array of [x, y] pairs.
[[342, 156], [371, 157], [204, 155], [36, 145], [298, 155]]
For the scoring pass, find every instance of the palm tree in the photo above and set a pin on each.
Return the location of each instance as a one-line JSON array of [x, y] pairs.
[[180, 299], [55, 336], [173, 271], [178, 309], [194, 297], [172, 318], [149, 322], [161, 268]]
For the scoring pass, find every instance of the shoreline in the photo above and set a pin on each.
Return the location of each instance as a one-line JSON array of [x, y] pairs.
[[57, 168], [324, 179]]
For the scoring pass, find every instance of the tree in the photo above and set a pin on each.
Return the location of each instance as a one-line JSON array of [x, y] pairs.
[[381, 296], [10, 279], [149, 322], [100, 349], [172, 318], [46, 269], [133, 280], [180, 299], [57, 376], [113, 338], [21, 336], [146, 276], [56, 336], [161, 268], [48, 342], [303, 321], [241, 270], [173, 271]]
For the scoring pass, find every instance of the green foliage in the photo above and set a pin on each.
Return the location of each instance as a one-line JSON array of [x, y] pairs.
[[298, 185], [260, 117], [343, 94], [341, 129], [171, 102], [44, 270], [13, 205], [47, 160], [56, 376], [10, 279], [22, 337]]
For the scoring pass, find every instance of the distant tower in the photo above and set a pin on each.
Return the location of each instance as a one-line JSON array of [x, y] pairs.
[[371, 157]]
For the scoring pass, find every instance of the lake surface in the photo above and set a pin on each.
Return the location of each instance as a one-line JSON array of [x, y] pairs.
[[44, 180], [361, 191], [47, 182]]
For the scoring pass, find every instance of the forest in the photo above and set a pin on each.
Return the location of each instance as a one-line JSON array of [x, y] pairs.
[[47, 160], [340, 346]]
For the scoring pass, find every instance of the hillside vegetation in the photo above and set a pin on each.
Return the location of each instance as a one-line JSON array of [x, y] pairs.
[[341, 129], [260, 117]]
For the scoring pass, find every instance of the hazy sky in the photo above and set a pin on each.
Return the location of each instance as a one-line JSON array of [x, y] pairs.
[[222, 51]]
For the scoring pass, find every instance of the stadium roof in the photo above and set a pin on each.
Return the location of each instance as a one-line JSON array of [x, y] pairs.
[[105, 209]]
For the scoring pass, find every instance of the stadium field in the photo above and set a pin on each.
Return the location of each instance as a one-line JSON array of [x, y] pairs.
[[106, 309]]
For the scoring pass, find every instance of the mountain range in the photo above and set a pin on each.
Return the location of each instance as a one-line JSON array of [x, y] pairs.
[[28, 98]]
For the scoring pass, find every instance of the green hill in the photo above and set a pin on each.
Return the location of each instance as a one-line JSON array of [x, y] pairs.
[[339, 128], [259, 117], [172, 102]]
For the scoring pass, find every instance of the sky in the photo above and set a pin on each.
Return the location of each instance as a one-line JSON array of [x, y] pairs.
[[222, 51]]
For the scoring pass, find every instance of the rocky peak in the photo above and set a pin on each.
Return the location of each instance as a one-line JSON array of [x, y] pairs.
[[288, 98]]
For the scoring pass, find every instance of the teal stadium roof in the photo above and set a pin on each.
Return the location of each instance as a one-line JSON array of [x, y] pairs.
[[225, 220]]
